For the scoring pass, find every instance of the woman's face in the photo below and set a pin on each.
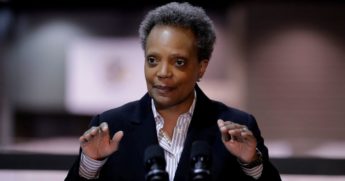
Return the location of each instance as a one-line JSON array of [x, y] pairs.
[[171, 66]]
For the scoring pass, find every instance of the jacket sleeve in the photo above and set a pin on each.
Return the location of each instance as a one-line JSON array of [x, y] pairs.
[[269, 172]]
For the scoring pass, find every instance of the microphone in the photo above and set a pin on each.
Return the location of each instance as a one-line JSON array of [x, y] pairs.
[[155, 164], [200, 161]]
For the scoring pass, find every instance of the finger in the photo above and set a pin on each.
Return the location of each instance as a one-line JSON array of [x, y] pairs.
[[88, 137], [226, 126], [223, 130], [89, 130], [241, 134], [104, 131], [248, 135], [104, 126], [220, 123], [117, 137], [228, 122], [114, 143], [231, 125], [82, 139], [88, 134], [94, 131], [235, 135]]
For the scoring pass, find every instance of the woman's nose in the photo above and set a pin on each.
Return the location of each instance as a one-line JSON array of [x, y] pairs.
[[164, 71]]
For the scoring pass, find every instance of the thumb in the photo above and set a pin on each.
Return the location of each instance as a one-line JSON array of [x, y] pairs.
[[114, 143]]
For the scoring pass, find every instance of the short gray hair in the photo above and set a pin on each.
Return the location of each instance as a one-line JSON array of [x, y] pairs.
[[186, 16]]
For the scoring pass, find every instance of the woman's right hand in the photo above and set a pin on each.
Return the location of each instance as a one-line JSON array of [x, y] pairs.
[[96, 142]]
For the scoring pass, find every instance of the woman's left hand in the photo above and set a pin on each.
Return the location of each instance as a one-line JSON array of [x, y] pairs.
[[239, 140]]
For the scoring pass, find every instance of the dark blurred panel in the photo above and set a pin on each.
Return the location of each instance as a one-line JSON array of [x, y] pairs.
[[47, 125]]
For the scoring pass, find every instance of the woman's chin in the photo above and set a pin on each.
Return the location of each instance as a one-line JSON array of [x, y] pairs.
[[163, 102]]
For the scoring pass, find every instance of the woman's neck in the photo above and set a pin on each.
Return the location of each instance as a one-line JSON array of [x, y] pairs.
[[176, 110], [172, 113]]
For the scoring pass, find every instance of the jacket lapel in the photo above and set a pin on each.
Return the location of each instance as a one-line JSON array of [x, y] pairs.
[[202, 127], [143, 126]]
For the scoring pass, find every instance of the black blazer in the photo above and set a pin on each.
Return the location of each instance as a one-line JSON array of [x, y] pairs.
[[137, 122]]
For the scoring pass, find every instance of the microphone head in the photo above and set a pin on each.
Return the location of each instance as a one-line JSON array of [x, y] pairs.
[[200, 161], [155, 164], [154, 154], [200, 148]]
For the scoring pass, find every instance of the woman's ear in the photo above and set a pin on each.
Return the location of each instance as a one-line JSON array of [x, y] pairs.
[[203, 66]]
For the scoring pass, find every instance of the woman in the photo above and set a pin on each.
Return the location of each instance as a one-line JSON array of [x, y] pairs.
[[178, 42]]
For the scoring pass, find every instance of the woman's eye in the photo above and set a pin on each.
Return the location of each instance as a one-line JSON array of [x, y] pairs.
[[151, 60], [180, 62]]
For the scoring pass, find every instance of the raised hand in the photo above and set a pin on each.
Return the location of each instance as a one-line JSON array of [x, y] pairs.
[[96, 142], [239, 140]]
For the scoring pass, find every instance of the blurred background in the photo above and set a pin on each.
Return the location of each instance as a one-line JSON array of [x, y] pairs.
[[62, 62]]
